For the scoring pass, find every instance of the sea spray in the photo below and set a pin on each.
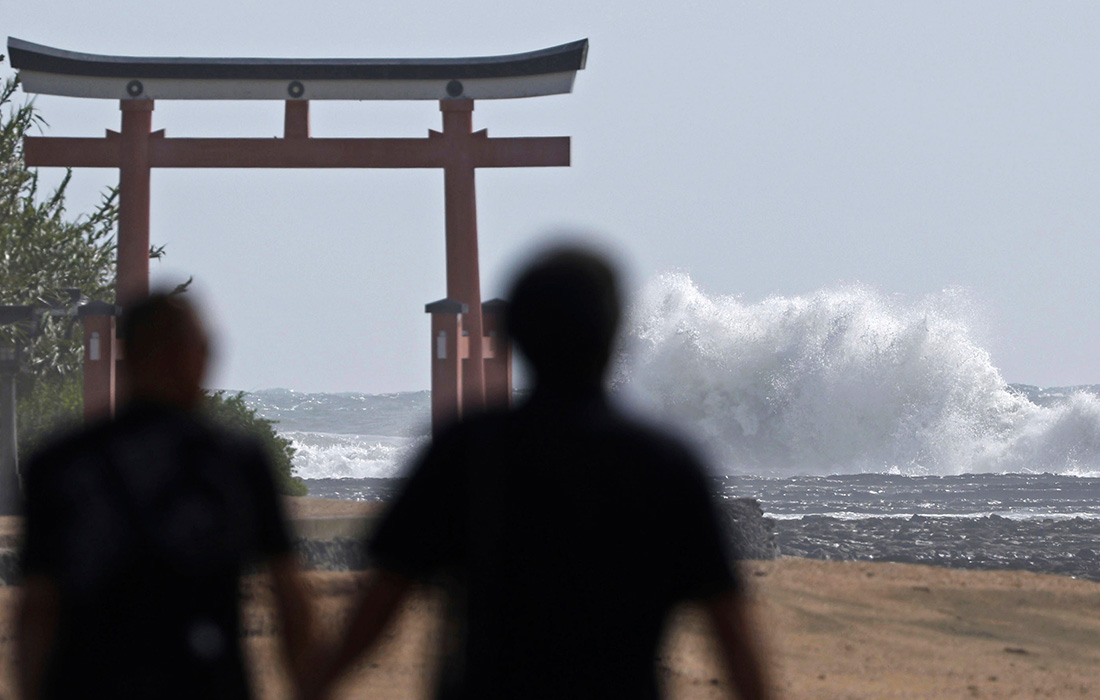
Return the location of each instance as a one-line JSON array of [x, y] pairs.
[[844, 380]]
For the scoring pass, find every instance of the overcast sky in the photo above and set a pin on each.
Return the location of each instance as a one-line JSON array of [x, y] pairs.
[[765, 148]]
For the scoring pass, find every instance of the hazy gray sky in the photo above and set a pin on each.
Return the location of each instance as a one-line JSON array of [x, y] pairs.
[[765, 148]]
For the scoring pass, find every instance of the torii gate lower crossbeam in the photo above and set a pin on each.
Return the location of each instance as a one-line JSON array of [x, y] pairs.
[[457, 149]]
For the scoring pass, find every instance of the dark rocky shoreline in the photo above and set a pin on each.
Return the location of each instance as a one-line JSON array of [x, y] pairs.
[[1065, 547], [752, 535], [1068, 547]]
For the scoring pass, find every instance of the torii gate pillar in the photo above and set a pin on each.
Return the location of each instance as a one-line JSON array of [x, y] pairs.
[[463, 276], [133, 201]]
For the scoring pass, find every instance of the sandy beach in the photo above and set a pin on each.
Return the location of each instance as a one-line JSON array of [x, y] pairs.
[[834, 630]]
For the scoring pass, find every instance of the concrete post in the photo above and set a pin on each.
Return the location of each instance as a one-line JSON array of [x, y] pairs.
[[449, 348], [100, 359]]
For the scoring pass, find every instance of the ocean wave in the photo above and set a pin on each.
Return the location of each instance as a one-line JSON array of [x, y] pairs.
[[842, 381], [336, 456]]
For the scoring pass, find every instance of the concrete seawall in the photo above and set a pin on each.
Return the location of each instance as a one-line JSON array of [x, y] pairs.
[[331, 528], [329, 543]]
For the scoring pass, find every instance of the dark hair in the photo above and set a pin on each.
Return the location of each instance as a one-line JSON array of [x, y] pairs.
[[155, 323], [564, 312]]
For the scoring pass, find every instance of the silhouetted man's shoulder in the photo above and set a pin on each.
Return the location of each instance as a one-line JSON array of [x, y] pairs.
[[604, 433], [587, 439], [660, 444]]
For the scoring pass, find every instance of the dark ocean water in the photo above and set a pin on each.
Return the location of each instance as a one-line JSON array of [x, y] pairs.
[[853, 497]]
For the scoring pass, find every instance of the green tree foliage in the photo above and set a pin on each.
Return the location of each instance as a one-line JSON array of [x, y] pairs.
[[230, 410], [43, 252], [53, 403]]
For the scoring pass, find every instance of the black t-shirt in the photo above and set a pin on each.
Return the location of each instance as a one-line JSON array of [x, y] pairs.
[[144, 524], [564, 533]]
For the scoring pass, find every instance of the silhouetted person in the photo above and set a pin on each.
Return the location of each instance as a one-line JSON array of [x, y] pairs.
[[563, 532], [138, 530]]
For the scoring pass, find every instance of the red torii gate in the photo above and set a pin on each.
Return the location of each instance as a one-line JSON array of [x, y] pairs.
[[469, 368]]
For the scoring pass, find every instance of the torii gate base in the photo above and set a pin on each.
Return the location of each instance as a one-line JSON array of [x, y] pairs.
[[452, 364], [101, 356]]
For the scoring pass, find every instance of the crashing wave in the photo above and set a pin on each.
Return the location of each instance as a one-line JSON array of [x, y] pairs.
[[329, 456], [845, 380]]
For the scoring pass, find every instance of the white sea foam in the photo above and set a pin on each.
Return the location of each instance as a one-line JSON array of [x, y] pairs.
[[845, 380], [332, 456]]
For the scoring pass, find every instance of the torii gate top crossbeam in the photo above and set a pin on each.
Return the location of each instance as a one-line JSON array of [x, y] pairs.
[[51, 71]]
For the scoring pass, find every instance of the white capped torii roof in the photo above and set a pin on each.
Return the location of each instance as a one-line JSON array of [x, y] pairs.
[[49, 71]]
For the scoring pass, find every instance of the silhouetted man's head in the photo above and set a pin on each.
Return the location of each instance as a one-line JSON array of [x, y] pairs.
[[166, 351], [563, 315]]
